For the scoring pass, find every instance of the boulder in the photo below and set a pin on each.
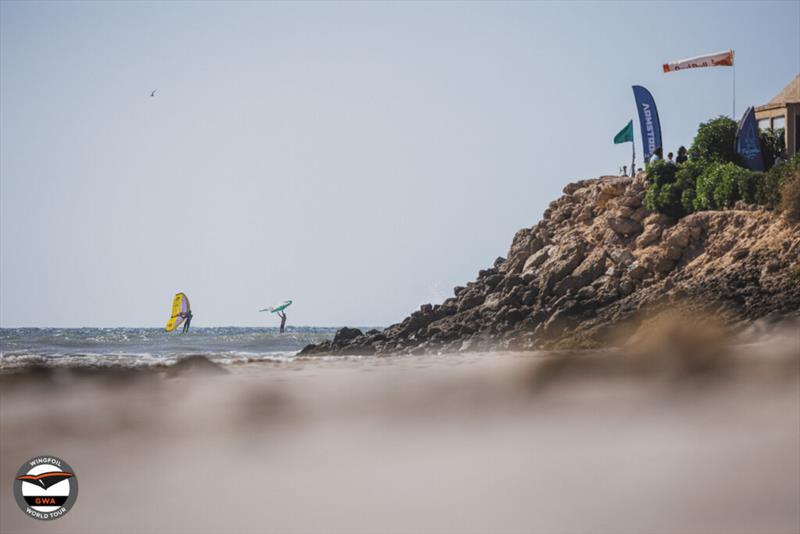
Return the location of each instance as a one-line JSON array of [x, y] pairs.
[[529, 297], [622, 258], [638, 271], [673, 253], [470, 300], [625, 212], [560, 320], [586, 293], [630, 201], [536, 259], [492, 302], [626, 287], [346, 334], [513, 297], [678, 237], [739, 254], [663, 264], [659, 219], [589, 270], [565, 259], [651, 235], [486, 273], [640, 214], [492, 281], [624, 227]]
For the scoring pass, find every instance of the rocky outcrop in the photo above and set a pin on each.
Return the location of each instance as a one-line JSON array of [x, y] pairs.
[[599, 260]]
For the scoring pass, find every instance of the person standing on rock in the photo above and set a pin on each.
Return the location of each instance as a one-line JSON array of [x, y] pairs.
[[681, 155], [658, 154]]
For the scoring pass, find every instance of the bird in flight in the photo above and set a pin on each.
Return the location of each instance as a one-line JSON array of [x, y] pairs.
[[154, 92]]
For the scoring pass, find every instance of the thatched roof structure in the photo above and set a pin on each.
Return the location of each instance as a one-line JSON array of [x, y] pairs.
[[789, 95]]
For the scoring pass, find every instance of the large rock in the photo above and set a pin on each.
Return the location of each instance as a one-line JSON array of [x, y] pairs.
[[565, 259], [651, 235], [640, 214], [579, 273], [631, 201], [588, 271], [659, 219], [536, 259], [346, 334], [678, 237], [673, 253], [624, 227]]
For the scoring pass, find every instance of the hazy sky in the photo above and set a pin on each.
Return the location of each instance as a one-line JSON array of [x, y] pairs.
[[358, 158]]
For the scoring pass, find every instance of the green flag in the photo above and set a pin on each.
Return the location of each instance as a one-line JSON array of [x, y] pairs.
[[625, 135]]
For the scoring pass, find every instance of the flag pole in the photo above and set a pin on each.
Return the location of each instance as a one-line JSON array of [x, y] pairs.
[[633, 158], [734, 88]]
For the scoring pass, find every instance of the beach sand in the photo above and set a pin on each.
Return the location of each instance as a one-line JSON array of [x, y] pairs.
[[507, 442]]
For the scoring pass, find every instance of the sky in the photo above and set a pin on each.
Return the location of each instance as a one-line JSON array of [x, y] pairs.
[[360, 159]]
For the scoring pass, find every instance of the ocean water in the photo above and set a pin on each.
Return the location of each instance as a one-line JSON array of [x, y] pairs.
[[145, 347]]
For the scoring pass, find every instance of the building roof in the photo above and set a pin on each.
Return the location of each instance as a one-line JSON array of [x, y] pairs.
[[790, 93]]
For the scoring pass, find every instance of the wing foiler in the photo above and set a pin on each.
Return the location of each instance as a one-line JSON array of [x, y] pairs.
[[278, 307], [180, 308]]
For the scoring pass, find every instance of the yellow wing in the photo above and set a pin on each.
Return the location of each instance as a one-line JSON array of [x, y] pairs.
[[179, 304]]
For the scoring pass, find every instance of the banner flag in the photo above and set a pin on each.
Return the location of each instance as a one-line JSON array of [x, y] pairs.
[[648, 121], [624, 135], [748, 144], [720, 59]]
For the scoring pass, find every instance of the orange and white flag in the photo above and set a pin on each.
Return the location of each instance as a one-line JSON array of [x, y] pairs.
[[720, 59]]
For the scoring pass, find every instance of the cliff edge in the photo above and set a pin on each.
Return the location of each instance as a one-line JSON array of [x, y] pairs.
[[595, 266]]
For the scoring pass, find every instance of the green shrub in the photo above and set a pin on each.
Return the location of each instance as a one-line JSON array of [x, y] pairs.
[[686, 179], [725, 185], [712, 179], [790, 196], [772, 145], [768, 190], [659, 173], [715, 141], [671, 188], [746, 185], [687, 200], [721, 185], [706, 185], [664, 199], [689, 171], [768, 193]]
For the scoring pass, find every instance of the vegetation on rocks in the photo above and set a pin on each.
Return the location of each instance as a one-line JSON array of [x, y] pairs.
[[715, 141], [599, 262], [772, 145], [714, 179], [722, 185], [790, 191], [614, 249]]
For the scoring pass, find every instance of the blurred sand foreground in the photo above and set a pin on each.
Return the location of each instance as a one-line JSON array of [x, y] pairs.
[[534, 442]]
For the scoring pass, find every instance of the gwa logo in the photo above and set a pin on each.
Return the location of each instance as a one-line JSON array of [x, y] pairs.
[[45, 487]]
